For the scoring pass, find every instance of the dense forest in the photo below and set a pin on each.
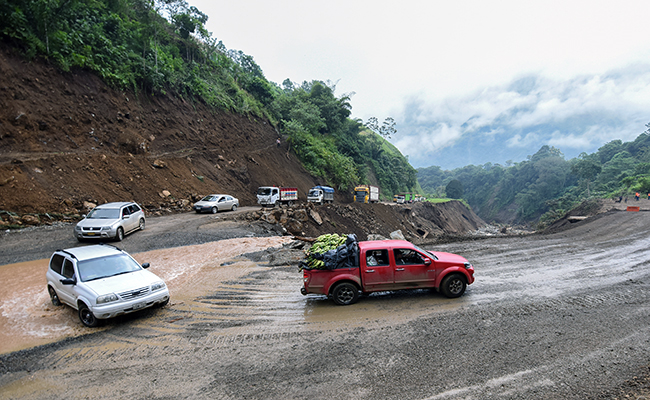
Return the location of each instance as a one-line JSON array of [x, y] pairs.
[[161, 47], [546, 186]]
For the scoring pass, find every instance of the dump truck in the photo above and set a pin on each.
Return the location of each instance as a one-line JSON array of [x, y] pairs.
[[356, 268], [366, 194], [270, 196], [321, 194]]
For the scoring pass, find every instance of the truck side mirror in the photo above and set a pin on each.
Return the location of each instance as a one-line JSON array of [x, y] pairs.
[[427, 261]]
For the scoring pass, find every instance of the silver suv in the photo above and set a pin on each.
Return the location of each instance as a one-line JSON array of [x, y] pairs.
[[110, 221], [102, 281]]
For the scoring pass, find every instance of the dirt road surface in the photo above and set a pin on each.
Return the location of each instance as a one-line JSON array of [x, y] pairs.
[[561, 316]]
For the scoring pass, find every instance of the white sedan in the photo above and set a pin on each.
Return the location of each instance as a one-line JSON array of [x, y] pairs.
[[216, 202]]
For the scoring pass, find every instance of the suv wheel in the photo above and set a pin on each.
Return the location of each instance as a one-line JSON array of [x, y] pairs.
[[87, 317], [53, 296], [141, 226], [120, 234]]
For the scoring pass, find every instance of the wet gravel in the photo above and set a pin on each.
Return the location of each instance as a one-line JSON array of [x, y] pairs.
[[561, 316]]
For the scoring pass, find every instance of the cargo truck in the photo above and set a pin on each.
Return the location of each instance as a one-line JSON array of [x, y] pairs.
[[366, 194], [269, 196], [321, 194], [381, 265]]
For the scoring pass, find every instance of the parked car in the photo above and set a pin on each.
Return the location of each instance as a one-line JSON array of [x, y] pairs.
[[110, 221], [216, 202], [101, 282]]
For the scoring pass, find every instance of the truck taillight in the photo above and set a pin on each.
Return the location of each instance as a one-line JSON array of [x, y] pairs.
[[305, 276]]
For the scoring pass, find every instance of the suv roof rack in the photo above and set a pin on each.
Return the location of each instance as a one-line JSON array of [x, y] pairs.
[[68, 253], [111, 245]]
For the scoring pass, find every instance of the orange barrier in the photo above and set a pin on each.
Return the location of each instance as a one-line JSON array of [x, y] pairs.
[[633, 208]]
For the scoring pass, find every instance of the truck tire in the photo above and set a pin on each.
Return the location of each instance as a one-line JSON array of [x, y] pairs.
[[453, 285], [345, 294]]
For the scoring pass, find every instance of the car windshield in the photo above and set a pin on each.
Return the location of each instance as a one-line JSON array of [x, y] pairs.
[[104, 213], [104, 267], [209, 198], [264, 191], [426, 252]]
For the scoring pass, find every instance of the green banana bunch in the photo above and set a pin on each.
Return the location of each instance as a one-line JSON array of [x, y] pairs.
[[322, 244]]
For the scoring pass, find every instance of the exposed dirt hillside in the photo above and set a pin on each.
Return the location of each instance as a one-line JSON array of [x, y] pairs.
[[67, 141], [66, 138]]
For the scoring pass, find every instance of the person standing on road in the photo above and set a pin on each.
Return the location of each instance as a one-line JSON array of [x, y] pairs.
[[636, 196]]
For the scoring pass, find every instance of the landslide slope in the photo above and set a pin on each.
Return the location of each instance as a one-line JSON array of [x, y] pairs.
[[66, 138]]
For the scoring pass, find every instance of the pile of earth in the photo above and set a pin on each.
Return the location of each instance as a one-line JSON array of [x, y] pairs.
[[418, 222]]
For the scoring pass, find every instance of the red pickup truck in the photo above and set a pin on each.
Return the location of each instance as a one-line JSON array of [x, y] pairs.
[[391, 265]]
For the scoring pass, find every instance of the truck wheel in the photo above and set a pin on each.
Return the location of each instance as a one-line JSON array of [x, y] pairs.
[[453, 285], [345, 293]]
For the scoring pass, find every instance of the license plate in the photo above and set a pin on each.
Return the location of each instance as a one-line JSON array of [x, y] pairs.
[[138, 306], [90, 233]]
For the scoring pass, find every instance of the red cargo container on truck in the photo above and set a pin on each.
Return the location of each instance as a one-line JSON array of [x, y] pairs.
[[272, 195], [391, 265]]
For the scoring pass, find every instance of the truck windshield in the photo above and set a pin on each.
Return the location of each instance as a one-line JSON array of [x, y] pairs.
[[264, 191], [314, 193]]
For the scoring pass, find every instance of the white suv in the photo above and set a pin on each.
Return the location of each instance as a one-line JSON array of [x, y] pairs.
[[101, 282], [110, 221]]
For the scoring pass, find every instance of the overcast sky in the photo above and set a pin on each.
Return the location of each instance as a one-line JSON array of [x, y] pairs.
[[468, 82]]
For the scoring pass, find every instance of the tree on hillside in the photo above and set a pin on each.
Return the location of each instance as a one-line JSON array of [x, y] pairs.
[[386, 129], [586, 169], [454, 189]]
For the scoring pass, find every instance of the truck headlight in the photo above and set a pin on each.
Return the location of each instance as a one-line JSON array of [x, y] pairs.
[[107, 298], [157, 286]]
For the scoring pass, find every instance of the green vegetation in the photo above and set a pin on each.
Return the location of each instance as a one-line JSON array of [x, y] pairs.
[[157, 47], [546, 186]]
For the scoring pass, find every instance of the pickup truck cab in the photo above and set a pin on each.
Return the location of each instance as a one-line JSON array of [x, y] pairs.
[[391, 265]]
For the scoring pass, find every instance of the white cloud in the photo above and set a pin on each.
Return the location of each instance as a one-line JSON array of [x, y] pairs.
[[580, 113], [522, 142], [472, 72]]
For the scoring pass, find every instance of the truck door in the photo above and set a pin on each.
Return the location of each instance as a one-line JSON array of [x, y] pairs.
[[412, 269], [377, 271]]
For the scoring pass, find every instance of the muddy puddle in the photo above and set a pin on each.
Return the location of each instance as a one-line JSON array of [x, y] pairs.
[[215, 291], [28, 318]]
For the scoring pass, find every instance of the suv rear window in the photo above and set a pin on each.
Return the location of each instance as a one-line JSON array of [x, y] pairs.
[[57, 263]]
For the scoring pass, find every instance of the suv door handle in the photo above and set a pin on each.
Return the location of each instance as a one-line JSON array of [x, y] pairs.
[[399, 269], [370, 270]]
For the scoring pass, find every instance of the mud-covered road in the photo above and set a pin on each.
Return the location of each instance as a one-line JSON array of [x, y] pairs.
[[561, 316]]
